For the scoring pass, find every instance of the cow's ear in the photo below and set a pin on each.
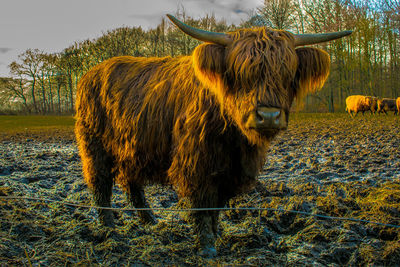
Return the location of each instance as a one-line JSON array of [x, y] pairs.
[[312, 71], [209, 66]]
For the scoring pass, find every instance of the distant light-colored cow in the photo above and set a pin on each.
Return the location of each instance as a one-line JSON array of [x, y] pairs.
[[360, 103], [387, 104]]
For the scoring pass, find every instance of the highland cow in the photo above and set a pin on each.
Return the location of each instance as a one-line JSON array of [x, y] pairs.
[[360, 103], [387, 104], [201, 123], [398, 105], [374, 104]]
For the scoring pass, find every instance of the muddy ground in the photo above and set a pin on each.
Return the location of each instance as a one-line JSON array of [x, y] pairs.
[[323, 164]]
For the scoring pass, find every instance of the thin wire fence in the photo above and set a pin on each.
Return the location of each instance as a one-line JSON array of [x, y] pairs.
[[259, 209]]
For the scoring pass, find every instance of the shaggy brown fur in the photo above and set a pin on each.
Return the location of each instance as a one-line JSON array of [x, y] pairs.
[[360, 103], [387, 104], [374, 104], [181, 121], [398, 105]]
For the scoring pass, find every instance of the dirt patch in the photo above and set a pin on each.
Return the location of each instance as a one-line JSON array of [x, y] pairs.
[[322, 165]]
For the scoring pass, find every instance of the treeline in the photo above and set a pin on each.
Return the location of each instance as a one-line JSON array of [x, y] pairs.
[[367, 62], [45, 83]]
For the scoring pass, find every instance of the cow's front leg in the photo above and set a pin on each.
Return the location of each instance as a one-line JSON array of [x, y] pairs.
[[205, 221], [204, 229]]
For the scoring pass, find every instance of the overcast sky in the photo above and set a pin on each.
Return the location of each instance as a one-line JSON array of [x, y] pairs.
[[52, 25]]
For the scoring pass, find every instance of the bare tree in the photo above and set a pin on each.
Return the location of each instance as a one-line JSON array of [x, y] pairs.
[[14, 90], [278, 14], [29, 67]]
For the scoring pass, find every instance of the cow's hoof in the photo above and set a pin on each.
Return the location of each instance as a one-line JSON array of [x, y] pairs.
[[147, 217], [108, 223], [107, 219], [208, 252]]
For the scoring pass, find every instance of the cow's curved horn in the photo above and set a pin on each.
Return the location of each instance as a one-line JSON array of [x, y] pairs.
[[309, 39], [205, 36]]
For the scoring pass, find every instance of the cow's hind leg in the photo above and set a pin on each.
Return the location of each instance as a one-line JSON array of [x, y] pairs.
[[97, 171], [137, 198]]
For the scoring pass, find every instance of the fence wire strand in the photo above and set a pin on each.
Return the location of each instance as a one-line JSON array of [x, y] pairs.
[[259, 209]]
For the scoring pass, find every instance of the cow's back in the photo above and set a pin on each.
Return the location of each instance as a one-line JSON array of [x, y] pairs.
[[355, 103], [132, 104], [113, 90], [388, 104]]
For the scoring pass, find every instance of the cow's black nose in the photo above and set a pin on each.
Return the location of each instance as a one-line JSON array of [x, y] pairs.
[[270, 118]]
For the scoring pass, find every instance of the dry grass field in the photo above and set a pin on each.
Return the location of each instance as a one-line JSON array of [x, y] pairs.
[[324, 164]]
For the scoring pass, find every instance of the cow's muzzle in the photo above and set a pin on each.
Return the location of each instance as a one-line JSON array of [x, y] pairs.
[[266, 119]]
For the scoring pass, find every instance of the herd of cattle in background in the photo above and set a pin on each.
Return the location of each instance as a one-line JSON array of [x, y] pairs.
[[360, 103]]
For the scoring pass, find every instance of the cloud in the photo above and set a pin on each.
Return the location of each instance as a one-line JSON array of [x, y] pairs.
[[235, 6], [4, 50], [148, 16], [147, 21], [233, 11]]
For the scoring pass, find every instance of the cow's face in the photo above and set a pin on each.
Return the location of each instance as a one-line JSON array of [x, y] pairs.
[[256, 73], [257, 77]]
